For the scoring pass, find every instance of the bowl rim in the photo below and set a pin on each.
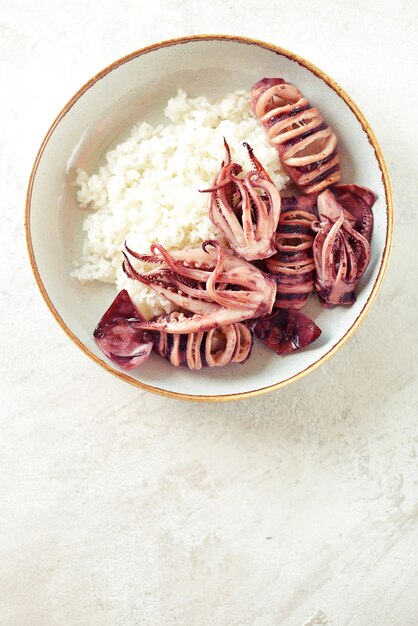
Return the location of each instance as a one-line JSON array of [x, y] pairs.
[[385, 180]]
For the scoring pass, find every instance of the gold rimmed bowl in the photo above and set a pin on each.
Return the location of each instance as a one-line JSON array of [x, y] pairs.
[[136, 88]]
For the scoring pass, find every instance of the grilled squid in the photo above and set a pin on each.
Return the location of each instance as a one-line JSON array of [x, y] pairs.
[[218, 287], [304, 141], [120, 336], [293, 267], [285, 331], [214, 348], [341, 253], [357, 203], [117, 336], [245, 209]]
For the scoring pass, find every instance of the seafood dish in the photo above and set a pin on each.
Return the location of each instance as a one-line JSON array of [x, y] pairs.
[[272, 247]]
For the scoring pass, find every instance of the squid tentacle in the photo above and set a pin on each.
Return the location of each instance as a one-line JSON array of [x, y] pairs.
[[246, 208], [122, 339]]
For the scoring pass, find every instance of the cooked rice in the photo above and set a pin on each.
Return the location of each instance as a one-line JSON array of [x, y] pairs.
[[147, 191]]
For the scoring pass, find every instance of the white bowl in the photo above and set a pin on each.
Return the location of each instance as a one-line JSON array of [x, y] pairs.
[[135, 88]]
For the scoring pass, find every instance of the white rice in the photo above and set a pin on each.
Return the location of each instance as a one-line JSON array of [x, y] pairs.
[[147, 191]]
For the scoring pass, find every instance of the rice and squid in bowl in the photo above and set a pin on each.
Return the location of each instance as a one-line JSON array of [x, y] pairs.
[[227, 224]]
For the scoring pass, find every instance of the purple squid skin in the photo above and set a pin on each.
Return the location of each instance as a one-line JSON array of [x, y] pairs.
[[120, 337], [332, 263], [117, 337], [292, 267], [341, 252], [215, 348], [215, 285], [286, 330], [358, 201], [290, 121]]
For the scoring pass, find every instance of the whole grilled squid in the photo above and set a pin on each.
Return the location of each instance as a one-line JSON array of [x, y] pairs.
[[305, 142]]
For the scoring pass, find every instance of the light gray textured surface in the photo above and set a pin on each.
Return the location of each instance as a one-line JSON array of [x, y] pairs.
[[121, 508]]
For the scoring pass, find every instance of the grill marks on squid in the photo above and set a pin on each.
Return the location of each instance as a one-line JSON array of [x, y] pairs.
[[341, 248], [293, 266], [322, 244], [305, 142]]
